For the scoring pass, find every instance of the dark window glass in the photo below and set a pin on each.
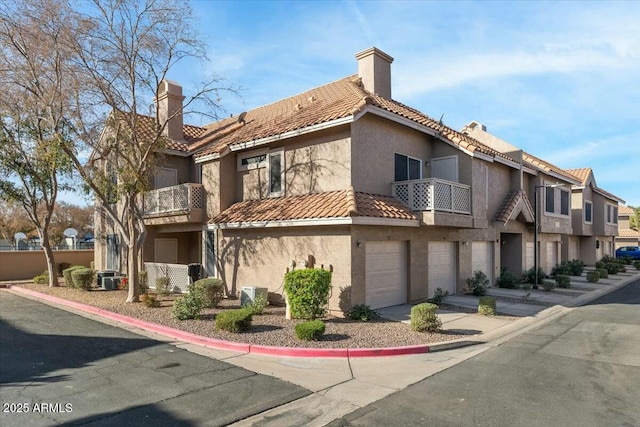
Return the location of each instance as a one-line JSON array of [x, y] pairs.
[[564, 202], [275, 173], [414, 169], [251, 160], [615, 214], [401, 168], [549, 199], [587, 212]]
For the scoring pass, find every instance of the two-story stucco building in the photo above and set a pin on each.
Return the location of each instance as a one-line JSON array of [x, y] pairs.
[[345, 178]]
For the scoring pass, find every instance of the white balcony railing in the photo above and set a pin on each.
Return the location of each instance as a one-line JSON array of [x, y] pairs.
[[433, 194], [174, 199]]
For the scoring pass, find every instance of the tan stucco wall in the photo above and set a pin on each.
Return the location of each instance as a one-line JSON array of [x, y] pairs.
[[374, 141], [183, 165], [261, 257], [499, 185], [25, 265], [189, 245]]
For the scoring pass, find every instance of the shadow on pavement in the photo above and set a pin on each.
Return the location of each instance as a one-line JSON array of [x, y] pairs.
[[28, 358], [629, 294]]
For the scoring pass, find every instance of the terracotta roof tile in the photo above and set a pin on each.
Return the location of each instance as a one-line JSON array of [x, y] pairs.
[[333, 204], [512, 202], [547, 167], [340, 99], [627, 232], [581, 173], [625, 210]]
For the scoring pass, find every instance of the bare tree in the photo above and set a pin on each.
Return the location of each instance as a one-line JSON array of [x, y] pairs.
[[123, 54], [33, 128]]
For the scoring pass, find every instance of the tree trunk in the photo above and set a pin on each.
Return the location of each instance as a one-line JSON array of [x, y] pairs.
[[51, 264], [132, 255]]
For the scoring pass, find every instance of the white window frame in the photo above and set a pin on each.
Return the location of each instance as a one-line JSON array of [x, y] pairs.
[[584, 215], [265, 163], [250, 154]]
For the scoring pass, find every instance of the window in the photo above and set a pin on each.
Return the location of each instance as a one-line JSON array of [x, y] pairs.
[[254, 160], [588, 215], [549, 193], [564, 202], [273, 161], [276, 172], [407, 168], [612, 214]]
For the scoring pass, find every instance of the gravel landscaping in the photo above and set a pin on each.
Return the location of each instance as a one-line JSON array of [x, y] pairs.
[[270, 328]]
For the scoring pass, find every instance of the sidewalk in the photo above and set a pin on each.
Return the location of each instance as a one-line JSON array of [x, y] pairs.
[[341, 385]]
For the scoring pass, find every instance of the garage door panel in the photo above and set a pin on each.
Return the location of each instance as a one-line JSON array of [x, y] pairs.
[[385, 273], [442, 267], [482, 258]]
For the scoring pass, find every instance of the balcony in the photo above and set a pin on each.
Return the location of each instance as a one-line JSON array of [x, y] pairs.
[[441, 202], [184, 203]]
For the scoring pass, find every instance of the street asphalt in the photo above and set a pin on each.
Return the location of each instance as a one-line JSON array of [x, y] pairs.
[[60, 368]]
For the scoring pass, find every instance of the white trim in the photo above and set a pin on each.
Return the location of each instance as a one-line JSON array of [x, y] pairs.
[[317, 222], [253, 153], [608, 196], [173, 152], [208, 157], [408, 157], [279, 152], [309, 129], [613, 207]]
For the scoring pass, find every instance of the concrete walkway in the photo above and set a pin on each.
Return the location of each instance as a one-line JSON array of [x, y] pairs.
[[341, 385]]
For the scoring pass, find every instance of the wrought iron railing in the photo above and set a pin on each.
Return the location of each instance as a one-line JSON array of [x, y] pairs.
[[174, 199], [433, 194]]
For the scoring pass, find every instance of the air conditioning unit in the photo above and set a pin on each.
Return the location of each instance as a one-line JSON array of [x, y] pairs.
[[111, 283], [102, 274], [248, 294]]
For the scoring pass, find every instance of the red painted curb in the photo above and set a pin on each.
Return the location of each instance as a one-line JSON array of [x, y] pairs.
[[229, 345]]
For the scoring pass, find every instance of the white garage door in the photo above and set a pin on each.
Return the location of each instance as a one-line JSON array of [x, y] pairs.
[[482, 258], [385, 274], [442, 267]]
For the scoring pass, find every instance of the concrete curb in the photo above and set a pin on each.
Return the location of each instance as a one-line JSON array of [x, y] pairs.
[[217, 344]]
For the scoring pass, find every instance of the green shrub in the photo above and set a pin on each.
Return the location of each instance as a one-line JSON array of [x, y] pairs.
[[563, 281], [424, 318], [438, 296], [612, 267], [576, 267], [238, 320], [561, 269], [530, 276], [593, 276], [143, 282], [636, 264], [599, 265], [626, 259], [363, 313], [162, 285], [604, 274], [311, 330], [150, 300], [507, 279], [487, 306], [548, 284], [308, 292], [478, 284], [63, 266], [258, 304], [82, 278], [42, 279], [66, 274], [211, 289], [188, 306]]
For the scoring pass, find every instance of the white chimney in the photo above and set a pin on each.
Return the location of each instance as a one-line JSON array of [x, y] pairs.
[[170, 108], [374, 68]]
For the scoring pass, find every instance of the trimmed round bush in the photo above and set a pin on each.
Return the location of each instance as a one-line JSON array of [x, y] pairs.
[[211, 289], [236, 321], [563, 281], [548, 284], [188, 306], [82, 278], [636, 264], [308, 292], [593, 276], [576, 266], [603, 273], [162, 285], [41, 279], [487, 306], [311, 330], [424, 318], [66, 274], [507, 279]]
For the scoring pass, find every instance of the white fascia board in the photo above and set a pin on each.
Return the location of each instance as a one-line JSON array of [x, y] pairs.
[[507, 162], [317, 222], [608, 196], [175, 152], [208, 157], [309, 129]]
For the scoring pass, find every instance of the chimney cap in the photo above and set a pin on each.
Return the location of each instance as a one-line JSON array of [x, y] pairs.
[[374, 51]]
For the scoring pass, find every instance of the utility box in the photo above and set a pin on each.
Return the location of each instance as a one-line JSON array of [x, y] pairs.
[[110, 283], [102, 274], [248, 294]]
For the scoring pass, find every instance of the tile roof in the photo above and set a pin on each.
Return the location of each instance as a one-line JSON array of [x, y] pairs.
[[627, 232], [625, 210], [515, 202], [547, 167], [340, 99], [582, 174], [333, 204]]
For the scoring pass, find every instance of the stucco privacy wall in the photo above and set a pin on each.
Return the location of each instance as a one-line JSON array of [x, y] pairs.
[[25, 265], [261, 257]]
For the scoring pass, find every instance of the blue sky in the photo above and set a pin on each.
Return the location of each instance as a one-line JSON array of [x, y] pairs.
[[561, 80]]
